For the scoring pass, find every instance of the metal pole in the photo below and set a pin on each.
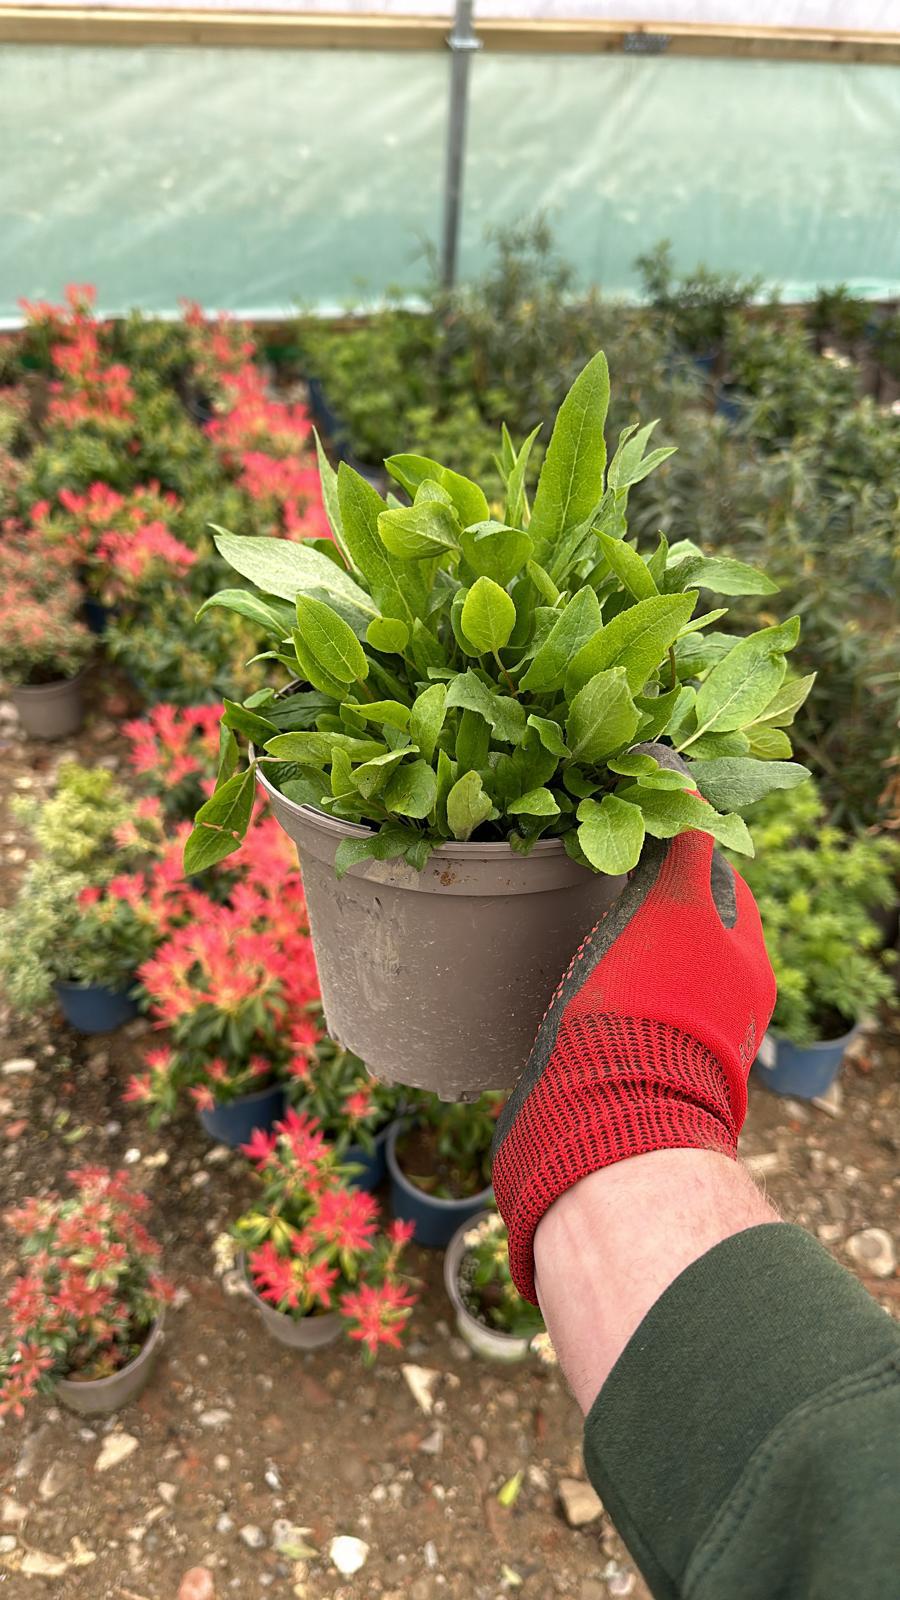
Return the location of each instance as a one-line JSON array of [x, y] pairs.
[[462, 42]]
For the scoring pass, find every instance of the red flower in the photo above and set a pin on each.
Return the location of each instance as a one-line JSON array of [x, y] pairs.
[[203, 1097], [260, 1146], [380, 1312]]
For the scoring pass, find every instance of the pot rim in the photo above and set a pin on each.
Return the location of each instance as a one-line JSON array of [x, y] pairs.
[[399, 1176], [319, 1318], [84, 988], [106, 1385], [453, 1257], [52, 687], [817, 1044], [245, 1099]]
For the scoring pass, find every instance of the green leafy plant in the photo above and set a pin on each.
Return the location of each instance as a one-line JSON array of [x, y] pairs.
[[350, 1106], [445, 1150], [486, 1285], [472, 676], [817, 888], [698, 305]]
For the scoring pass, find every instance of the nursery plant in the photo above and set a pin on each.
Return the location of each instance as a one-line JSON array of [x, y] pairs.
[[313, 1243], [697, 305], [332, 1084], [485, 1282], [89, 1291], [42, 639], [468, 671], [817, 888], [445, 1149]]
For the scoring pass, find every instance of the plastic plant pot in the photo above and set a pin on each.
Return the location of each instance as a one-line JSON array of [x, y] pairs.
[[92, 1008], [372, 1163], [435, 1220], [298, 1333], [96, 1397], [50, 710], [802, 1071], [96, 615], [438, 979], [233, 1122], [489, 1342]]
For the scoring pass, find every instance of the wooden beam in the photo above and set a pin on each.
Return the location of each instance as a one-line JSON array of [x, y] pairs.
[[82, 25]]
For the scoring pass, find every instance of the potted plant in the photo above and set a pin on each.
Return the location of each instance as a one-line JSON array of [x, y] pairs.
[[315, 1262], [455, 758], [233, 988], [86, 1312], [353, 1109], [817, 888], [491, 1315], [697, 306], [438, 1161], [43, 645]]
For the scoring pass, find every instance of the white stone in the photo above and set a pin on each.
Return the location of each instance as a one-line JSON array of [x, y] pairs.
[[580, 1503], [765, 1165], [216, 1417], [167, 1492], [253, 1537], [431, 1555], [8, 1542], [224, 1523], [873, 1249], [115, 1449], [347, 1554], [421, 1382], [19, 1064]]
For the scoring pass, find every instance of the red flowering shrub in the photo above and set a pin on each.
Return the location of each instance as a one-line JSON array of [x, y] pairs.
[[313, 1243], [252, 420], [288, 492], [122, 542], [350, 1106], [220, 347], [90, 1290], [41, 637], [175, 752], [86, 387]]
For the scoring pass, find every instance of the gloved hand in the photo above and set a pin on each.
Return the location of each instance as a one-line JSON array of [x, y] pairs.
[[649, 1039]]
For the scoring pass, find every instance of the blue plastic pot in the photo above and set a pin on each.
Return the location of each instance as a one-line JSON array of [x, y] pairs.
[[705, 362], [803, 1071], [435, 1220], [96, 615], [92, 1008], [234, 1122], [372, 1163], [729, 403]]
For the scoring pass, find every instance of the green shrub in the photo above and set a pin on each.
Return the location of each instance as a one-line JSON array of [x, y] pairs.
[[696, 306]]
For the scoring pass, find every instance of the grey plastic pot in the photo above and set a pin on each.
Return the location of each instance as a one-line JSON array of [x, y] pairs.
[[489, 1342], [439, 979], [96, 1397], [304, 1333], [50, 710]]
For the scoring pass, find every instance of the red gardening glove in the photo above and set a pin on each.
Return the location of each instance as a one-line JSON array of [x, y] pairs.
[[648, 1041]]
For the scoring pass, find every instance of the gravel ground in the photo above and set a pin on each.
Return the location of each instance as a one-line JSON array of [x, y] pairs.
[[245, 1461]]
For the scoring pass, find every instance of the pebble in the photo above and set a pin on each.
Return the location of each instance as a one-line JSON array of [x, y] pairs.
[[217, 1417], [763, 1166], [115, 1449], [431, 1555], [478, 1448], [167, 1492], [347, 1554], [59, 1475], [434, 1444], [421, 1382], [8, 1542], [11, 1512], [221, 1463], [621, 1583], [197, 1585], [224, 1523], [132, 1156], [16, 855], [830, 1232], [580, 1503], [253, 1537], [832, 1101], [19, 1064], [874, 1250]]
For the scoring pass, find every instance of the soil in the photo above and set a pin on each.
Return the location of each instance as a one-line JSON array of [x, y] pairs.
[[423, 1165], [240, 1453]]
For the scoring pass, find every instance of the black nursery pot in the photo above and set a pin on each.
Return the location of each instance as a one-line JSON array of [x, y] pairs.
[[92, 1008], [234, 1122]]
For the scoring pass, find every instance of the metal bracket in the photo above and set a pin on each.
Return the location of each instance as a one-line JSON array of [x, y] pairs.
[[646, 44]]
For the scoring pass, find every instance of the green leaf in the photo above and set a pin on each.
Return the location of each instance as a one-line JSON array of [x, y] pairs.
[[398, 590], [709, 617], [329, 486], [373, 774], [389, 713], [388, 635], [602, 717], [571, 480], [412, 790], [508, 1494], [695, 654], [550, 735], [446, 777], [427, 718], [668, 812], [722, 574], [536, 803], [734, 782], [351, 851], [426, 529], [282, 568], [311, 669], [274, 619], [629, 464], [763, 742], [228, 755], [744, 682], [249, 723], [543, 582], [611, 834], [505, 716], [516, 499], [328, 638], [649, 773], [488, 616], [637, 639], [410, 471], [713, 745], [786, 702], [629, 567], [467, 806], [657, 562], [473, 741], [493, 550], [656, 712], [341, 787], [578, 623], [315, 748], [220, 823]]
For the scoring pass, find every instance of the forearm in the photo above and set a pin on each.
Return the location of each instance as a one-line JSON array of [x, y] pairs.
[[623, 1235]]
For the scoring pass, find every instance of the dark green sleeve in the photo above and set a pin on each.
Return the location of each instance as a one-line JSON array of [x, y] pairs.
[[747, 1442]]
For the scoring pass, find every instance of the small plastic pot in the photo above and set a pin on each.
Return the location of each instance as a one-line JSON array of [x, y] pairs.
[[373, 1163], [438, 979], [233, 1122], [50, 710], [435, 1220], [802, 1071], [96, 615], [298, 1333], [92, 1008], [97, 1396], [489, 1342]]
